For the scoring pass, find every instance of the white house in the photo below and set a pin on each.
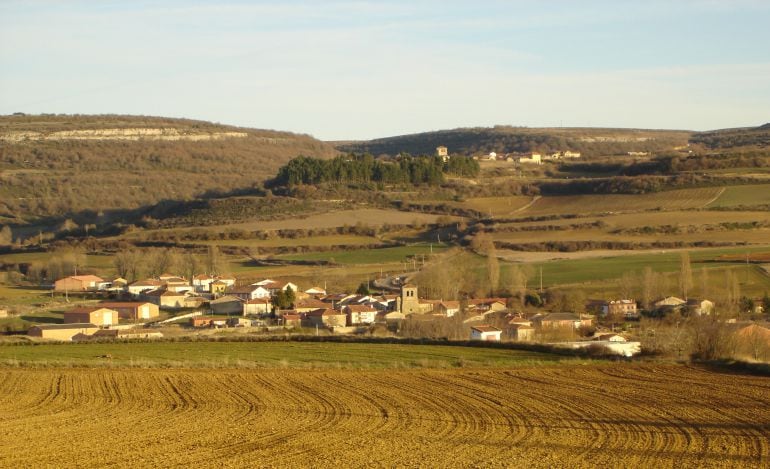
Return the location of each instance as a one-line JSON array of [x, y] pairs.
[[250, 292], [359, 314], [484, 332], [532, 158]]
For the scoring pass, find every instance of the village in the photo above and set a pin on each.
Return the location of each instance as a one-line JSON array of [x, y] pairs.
[[143, 309]]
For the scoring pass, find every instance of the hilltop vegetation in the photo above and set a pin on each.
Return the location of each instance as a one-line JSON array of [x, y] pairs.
[[735, 138], [507, 139], [55, 165]]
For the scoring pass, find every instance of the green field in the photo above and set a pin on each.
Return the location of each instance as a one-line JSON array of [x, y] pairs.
[[597, 203], [753, 194], [370, 256], [268, 354]]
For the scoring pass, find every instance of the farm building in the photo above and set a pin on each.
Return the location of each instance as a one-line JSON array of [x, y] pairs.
[[258, 306], [447, 308], [359, 314], [134, 311], [61, 331], [208, 321], [520, 332], [531, 158], [126, 334], [292, 320], [485, 332], [78, 283], [326, 318], [100, 316], [610, 338], [228, 304], [700, 307], [480, 305], [625, 308]]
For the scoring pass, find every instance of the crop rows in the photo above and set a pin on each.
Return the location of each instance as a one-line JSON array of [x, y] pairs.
[[627, 415]]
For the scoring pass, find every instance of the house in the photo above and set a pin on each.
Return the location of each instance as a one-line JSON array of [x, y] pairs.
[[623, 308], [316, 291], [177, 284], [485, 332], [492, 156], [249, 292], [442, 152], [531, 158], [359, 314], [99, 316], [447, 308], [309, 304], [217, 287], [258, 306], [292, 320], [167, 299], [326, 318], [273, 287], [133, 311], [201, 282], [61, 331], [700, 307], [669, 301], [557, 321], [143, 286], [228, 304], [118, 284], [520, 332], [480, 305], [78, 283], [610, 338]]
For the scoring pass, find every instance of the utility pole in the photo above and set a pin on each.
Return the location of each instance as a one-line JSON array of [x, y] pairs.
[[541, 279]]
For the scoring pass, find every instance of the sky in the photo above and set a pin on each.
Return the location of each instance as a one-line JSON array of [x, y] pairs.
[[367, 69]]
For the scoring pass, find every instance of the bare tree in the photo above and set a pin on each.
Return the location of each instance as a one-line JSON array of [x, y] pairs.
[[685, 275], [128, 264], [648, 287]]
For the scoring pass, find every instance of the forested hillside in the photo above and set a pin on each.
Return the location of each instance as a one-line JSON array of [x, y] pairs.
[[506, 139], [60, 164], [758, 137]]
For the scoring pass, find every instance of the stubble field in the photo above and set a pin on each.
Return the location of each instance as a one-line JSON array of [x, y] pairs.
[[626, 415]]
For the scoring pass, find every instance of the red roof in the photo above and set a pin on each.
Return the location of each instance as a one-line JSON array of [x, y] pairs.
[[360, 309]]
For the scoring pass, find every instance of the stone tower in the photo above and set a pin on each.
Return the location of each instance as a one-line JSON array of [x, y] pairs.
[[408, 302]]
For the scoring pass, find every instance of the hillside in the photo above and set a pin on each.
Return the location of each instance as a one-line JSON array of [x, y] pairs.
[[748, 137], [60, 164], [507, 139]]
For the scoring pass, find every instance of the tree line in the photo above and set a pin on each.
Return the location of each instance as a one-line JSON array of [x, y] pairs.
[[364, 168]]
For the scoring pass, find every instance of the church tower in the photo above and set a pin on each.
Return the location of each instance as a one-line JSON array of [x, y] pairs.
[[408, 302]]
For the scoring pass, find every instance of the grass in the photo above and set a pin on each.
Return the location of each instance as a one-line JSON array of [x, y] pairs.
[[370, 256], [269, 354], [314, 241], [754, 194], [604, 268], [597, 203]]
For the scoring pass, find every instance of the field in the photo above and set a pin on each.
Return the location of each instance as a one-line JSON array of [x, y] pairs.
[[596, 203], [269, 354], [623, 415], [756, 194]]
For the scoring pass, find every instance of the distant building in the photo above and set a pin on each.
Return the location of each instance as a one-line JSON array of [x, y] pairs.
[[484, 332], [78, 283], [99, 316], [133, 310], [625, 308], [61, 331], [408, 302], [531, 158], [442, 151]]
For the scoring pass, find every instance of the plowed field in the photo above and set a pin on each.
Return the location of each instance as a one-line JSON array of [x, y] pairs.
[[557, 416]]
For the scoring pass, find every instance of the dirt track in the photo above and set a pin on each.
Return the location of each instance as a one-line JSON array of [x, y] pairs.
[[557, 416]]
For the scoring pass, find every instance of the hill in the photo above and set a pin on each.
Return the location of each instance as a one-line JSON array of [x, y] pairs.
[[60, 164], [746, 137], [507, 139]]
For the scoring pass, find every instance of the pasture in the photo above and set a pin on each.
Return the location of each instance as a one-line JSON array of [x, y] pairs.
[[616, 414], [752, 194]]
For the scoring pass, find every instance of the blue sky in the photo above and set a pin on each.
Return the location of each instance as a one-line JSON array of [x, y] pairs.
[[357, 69]]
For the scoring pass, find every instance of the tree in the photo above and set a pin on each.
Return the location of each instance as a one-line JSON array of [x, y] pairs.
[[162, 261], [284, 298], [704, 282], [189, 264], [628, 282], [214, 263], [128, 264], [685, 274], [649, 281], [363, 289], [6, 236], [766, 303]]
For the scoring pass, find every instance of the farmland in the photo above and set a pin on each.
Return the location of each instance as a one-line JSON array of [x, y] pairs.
[[555, 416]]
